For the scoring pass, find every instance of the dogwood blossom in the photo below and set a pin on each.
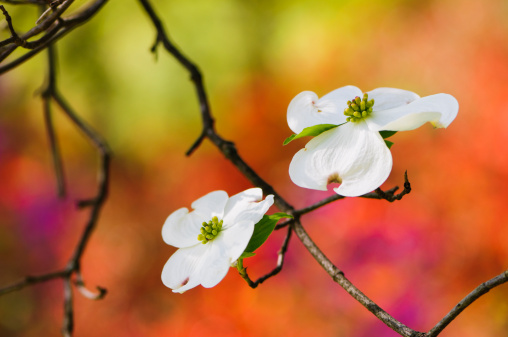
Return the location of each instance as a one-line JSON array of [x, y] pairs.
[[354, 154], [211, 237]]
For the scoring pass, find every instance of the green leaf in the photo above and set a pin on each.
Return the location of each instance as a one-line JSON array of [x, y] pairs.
[[388, 143], [246, 255], [386, 134], [314, 130], [262, 231]]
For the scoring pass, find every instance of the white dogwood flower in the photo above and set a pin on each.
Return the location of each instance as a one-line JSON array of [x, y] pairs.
[[211, 237], [354, 154]]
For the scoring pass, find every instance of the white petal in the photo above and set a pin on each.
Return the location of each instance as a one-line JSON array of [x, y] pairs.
[[306, 109], [182, 271], [246, 209], [388, 98], [249, 195], [236, 238], [182, 228], [215, 265], [440, 110], [340, 96], [211, 204], [353, 153]]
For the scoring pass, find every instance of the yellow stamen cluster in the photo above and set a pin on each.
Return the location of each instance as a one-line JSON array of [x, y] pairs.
[[357, 109], [210, 230]]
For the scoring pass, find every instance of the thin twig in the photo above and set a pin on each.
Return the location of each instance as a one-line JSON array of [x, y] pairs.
[[68, 322], [53, 143], [73, 265], [482, 289], [276, 270], [103, 178], [16, 39], [55, 27], [226, 147], [32, 280], [80, 286], [196, 76], [326, 201], [390, 196]]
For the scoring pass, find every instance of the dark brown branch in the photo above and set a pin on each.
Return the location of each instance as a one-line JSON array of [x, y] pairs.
[[68, 322], [32, 280], [54, 148], [226, 147], [481, 290], [326, 201], [338, 276], [73, 266], [276, 270], [15, 38], [56, 28], [195, 74], [390, 196], [103, 179]]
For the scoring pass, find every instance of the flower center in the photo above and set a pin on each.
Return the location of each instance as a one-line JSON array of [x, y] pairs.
[[357, 109], [210, 230]]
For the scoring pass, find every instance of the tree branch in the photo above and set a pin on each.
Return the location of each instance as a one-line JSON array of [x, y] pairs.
[[55, 27], [338, 276], [68, 322], [15, 38], [276, 270], [229, 151], [32, 280], [53, 143], [386, 195], [226, 147], [481, 290], [96, 203]]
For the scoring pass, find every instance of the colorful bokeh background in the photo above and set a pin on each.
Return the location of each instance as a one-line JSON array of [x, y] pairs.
[[416, 258]]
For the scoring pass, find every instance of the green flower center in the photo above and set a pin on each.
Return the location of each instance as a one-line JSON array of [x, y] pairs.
[[210, 230], [357, 109]]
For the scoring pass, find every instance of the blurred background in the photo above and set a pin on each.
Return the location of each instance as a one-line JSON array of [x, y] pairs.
[[416, 258]]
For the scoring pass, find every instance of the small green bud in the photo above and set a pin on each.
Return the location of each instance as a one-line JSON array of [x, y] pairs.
[[357, 100], [355, 107], [362, 106], [358, 114], [348, 112], [214, 232], [364, 114]]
